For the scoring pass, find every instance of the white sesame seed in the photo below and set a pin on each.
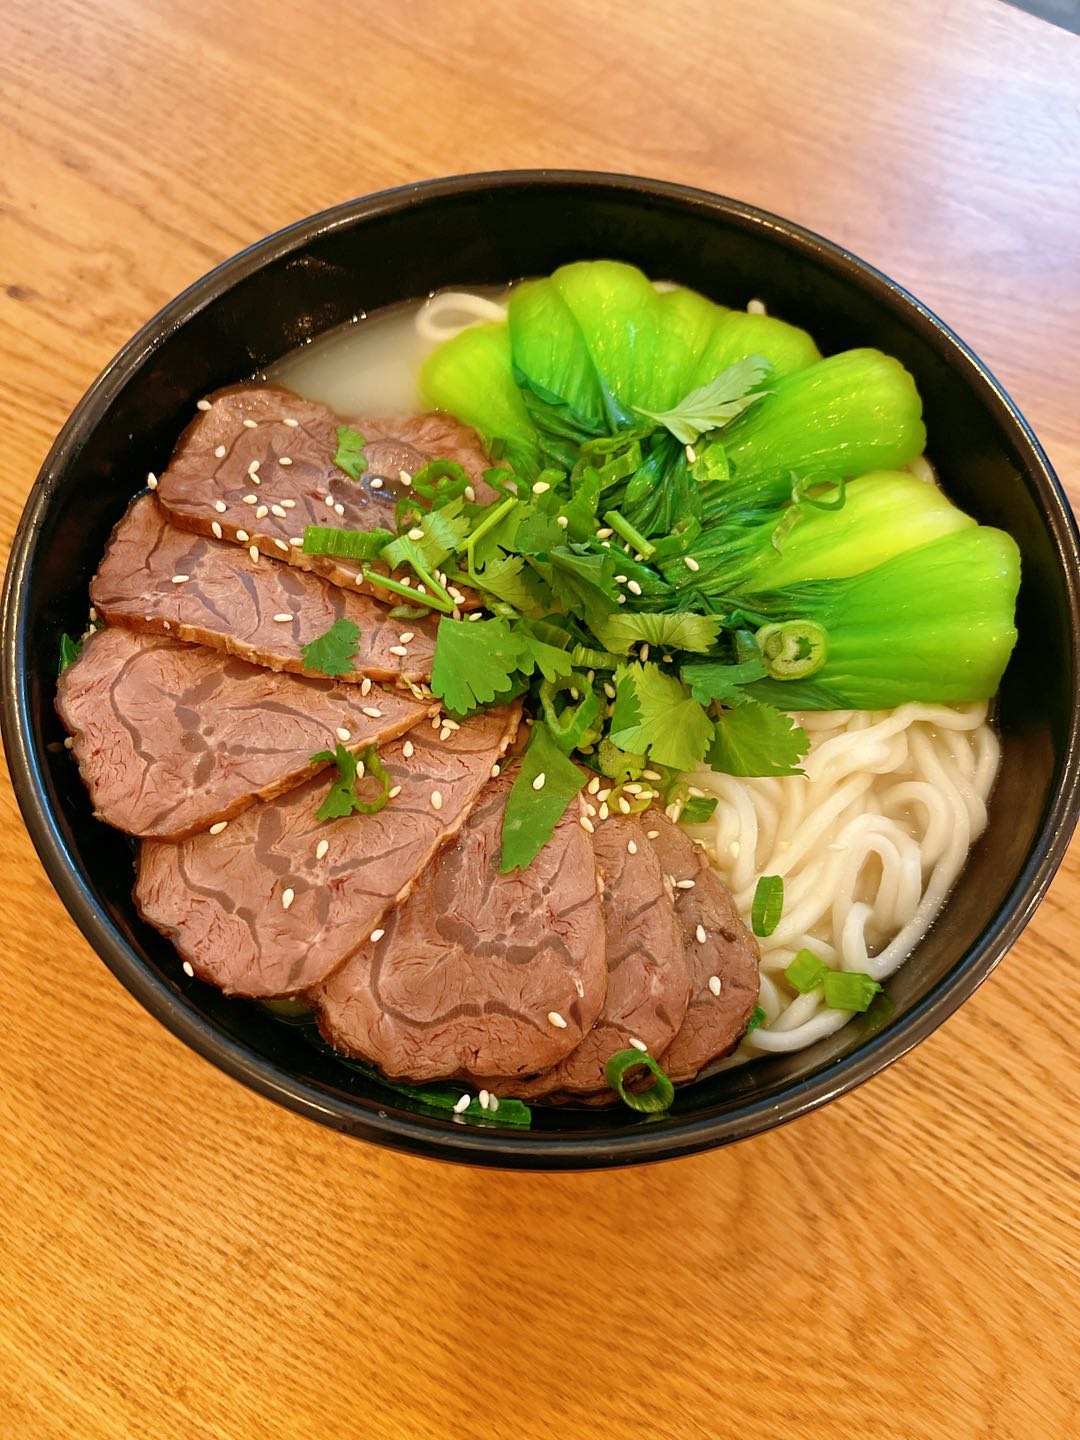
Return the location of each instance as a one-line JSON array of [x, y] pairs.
[[631, 847], [436, 800], [262, 512], [604, 534], [253, 469], [242, 536], [393, 792], [404, 477], [591, 809], [593, 785], [180, 579], [339, 509], [398, 650], [377, 935], [220, 506], [691, 454], [587, 825], [714, 984], [215, 530], [462, 1104], [624, 805], [407, 749], [188, 970], [579, 987], [406, 637], [639, 1045], [538, 783], [283, 617], [651, 775], [609, 690], [287, 897], [321, 849], [651, 834], [284, 460], [203, 405], [470, 494], [250, 499], [684, 884], [289, 504], [436, 722], [373, 711], [298, 541], [220, 452], [166, 624], [603, 795], [217, 829], [343, 735], [365, 686], [328, 500], [253, 551], [554, 1018], [281, 545], [292, 424], [277, 510], [604, 811], [562, 521], [633, 587], [540, 487], [701, 935], [376, 483], [445, 733], [643, 653], [620, 579], [690, 563], [151, 481], [416, 533], [495, 769]]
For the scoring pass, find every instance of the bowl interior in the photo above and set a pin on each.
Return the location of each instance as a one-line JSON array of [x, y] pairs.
[[389, 248]]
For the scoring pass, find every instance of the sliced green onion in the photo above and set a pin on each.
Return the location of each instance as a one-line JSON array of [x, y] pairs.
[[849, 990], [353, 544], [494, 514], [698, 809], [806, 972], [587, 659], [621, 526], [768, 905], [440, 602], [793, 649], [757, 1017], [649, 1102]]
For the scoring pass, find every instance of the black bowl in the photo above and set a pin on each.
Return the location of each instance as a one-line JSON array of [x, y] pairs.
[[490, 228]]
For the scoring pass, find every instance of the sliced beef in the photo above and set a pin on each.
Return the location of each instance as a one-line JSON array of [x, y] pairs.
[[263, 909], [268, 457], [172, 738], [230, 601], [478, 973], [648, 986], [726, 959]]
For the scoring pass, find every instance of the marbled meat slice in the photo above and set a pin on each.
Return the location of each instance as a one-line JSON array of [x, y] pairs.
[[261, 612], [648, 983], [263, 909], [725, 961], [478, 973], [268, 457], [171, 738]]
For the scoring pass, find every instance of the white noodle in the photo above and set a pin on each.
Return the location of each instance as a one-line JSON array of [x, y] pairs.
[[869, 843], [451, 311]]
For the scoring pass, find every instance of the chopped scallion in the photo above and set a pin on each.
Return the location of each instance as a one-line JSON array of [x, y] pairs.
[[768, 905], [849, 990], [806, 972]]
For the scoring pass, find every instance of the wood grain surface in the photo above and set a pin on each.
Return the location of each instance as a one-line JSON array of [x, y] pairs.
[[179, 1258]]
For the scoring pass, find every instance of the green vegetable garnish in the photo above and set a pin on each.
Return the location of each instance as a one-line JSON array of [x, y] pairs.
[[342, 799], [768, 905], [655, 715], [350, 452], [532, 813], [806, 972], [446, 1098], [353, 544], [716, 404], [755, 739], [698, 809], [334, 651], [659, 1095], [793, 649], [849, 990], [757, 1017], [69, 652]]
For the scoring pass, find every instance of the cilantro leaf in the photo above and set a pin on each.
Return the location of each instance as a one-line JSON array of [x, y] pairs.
[[756, 739], [717, 403], [333, 652], [552, 661], [683, 631], [710, 680], [474, 662], [341, 798], [504, 579], [655, 713], [531, 815], [698, 809], [69, 652], [583, 583], [434, 537], [349, 455]]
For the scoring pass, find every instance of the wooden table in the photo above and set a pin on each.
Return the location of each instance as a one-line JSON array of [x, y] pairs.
[[179, 1258]]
